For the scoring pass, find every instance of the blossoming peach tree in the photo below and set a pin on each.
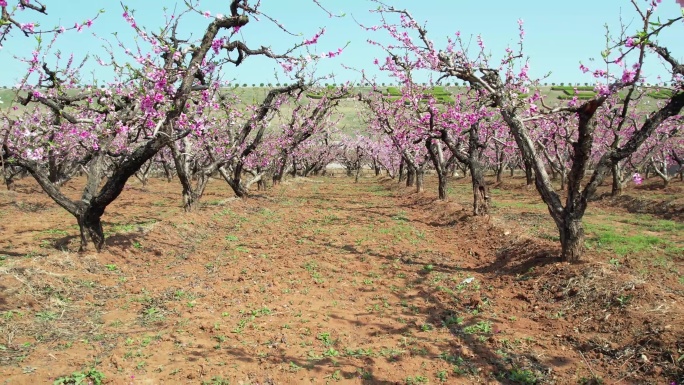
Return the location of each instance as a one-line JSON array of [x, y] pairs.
[[159, 96], [502, 83]]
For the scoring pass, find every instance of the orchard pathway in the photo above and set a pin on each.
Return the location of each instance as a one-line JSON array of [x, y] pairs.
[[318, 280]]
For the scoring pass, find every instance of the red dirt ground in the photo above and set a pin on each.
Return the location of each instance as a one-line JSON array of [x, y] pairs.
[[326, 281]]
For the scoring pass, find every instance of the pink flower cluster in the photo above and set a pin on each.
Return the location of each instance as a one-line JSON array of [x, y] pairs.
[[332, 54], [636, 178], [314, 39]]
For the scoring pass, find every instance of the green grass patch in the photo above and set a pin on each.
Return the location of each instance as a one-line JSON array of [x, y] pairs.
[[580, 96], [619, 241], [572, 88], [661, 94]]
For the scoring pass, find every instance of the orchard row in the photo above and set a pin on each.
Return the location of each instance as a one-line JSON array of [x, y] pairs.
[[168, 112]]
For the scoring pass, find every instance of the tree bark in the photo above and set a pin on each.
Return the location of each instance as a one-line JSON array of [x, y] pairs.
[[481, 199], [442, 169], [376, 168], [529, 175], [410, 177], [190, 197], [480, 190], [420, 173], [617, 186], [401, 170], [90, 226], [235, 182], [572, 239]]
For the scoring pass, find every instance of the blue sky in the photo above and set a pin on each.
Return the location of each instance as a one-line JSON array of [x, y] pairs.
[[559, 34]]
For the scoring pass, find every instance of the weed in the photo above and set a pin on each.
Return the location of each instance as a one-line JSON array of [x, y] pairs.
[[391, 354], [416, 380], [331, 352], [111, 267], [484, 327], [326, 339], [426, 327], [216, 380], [91, 376], [364, 374], [358, 352], [46, 316], [623, 300], [152, 314], [522, 376], [452, 320]]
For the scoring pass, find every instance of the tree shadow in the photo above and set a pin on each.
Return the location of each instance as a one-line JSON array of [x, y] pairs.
[[520, 258], [636, 205], [8, 253]]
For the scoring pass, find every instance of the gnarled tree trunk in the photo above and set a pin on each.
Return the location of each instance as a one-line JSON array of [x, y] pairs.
[[481, 198], [617, 185], [410, 177], [572, 237], [420, 174]]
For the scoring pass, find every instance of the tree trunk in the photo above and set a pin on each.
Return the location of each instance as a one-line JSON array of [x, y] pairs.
[[190, 200], [168, 171], [143, 173], [410, 177], [499, 173], [293, 173], [280, 169], [401, 170], [572, 239], [481, 198], [442, 187], [554, 174], [480, 190], [529, 175], [437, 157], [90, 226], [419, 180], [617, 186], [190, 196], [564, 179]]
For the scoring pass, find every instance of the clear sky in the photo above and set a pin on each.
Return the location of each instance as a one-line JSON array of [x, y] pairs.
[[559, 34]]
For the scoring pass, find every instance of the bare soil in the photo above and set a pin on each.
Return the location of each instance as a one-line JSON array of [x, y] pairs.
[[327, 281]]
